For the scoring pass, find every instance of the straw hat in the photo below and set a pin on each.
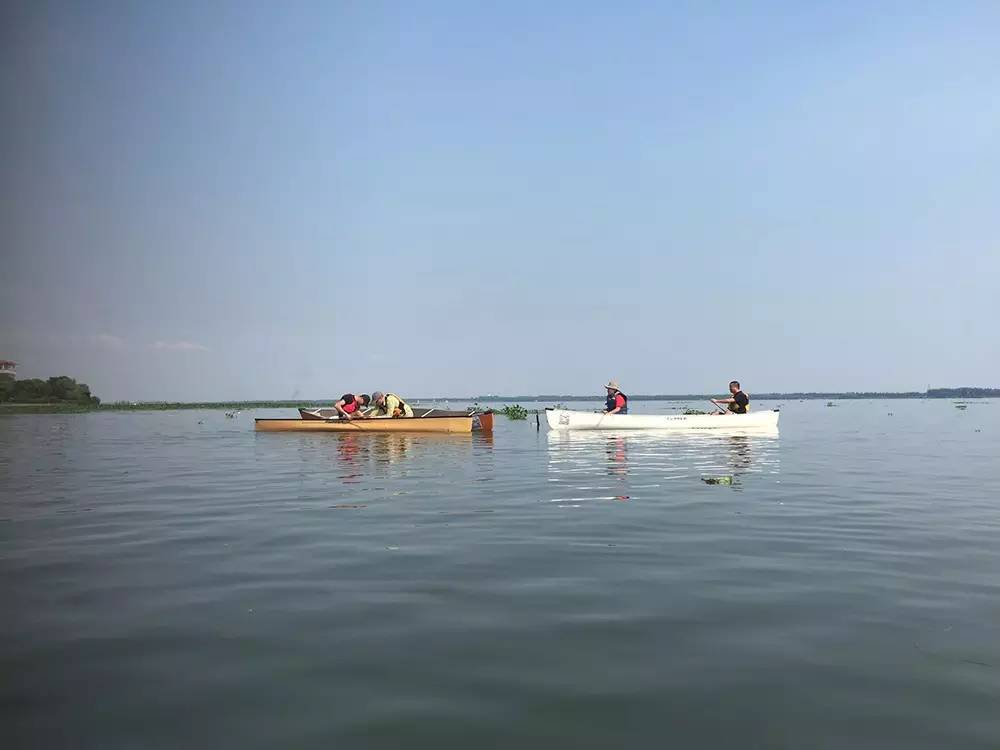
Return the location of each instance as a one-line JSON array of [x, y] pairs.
[[612, 384]]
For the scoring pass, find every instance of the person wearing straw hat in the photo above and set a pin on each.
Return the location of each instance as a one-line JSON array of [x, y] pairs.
[[617, 402], [390, 405]]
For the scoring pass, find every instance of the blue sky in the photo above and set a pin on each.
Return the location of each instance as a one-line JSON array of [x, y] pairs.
[[246, 200]]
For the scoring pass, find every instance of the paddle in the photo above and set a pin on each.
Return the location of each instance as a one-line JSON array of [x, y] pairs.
[[337, 418], [717, 406]]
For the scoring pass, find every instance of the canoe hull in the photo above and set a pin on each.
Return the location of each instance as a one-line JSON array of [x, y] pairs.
[[566, 419], [481, 420], [412, 424]]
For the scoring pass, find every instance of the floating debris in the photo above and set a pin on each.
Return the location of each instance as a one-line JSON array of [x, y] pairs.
[[963, 407], [727, 480], [830, 403]]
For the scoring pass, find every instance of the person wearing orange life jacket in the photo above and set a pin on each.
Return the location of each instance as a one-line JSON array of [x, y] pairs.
[[350, 406], [617, 402], [390, 405]]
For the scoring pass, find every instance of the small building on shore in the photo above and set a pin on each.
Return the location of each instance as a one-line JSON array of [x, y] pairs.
[[8, 368]]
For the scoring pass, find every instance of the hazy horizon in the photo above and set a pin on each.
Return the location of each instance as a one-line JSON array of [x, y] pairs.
[[234, 201]]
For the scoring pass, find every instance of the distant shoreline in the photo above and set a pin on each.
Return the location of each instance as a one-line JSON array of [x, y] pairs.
[[72, 408], [846, 395]]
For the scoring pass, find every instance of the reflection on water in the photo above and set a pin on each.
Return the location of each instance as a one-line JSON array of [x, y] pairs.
[[616, 449], [360, 455], [348, 451], [602, 465]]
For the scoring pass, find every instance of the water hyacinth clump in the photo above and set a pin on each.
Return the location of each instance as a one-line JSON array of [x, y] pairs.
[[726, 480], [514, 411]]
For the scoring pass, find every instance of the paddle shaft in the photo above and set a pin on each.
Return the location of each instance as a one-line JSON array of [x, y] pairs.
[[717, 406], [338, 418]]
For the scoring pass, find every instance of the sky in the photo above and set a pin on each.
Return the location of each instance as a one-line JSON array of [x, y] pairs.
[[256, 200]]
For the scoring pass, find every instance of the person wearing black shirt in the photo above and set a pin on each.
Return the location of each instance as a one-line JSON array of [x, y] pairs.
[[739, 403]]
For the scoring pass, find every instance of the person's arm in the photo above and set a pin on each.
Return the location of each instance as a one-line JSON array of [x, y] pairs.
[[720, 401], [339, 406]]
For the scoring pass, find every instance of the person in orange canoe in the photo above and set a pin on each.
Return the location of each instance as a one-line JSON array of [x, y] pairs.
[[617, 402], [390, 405], [351, 406]]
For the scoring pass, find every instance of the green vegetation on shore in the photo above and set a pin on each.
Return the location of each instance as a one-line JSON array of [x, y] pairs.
[[963, 392], [58, 391]]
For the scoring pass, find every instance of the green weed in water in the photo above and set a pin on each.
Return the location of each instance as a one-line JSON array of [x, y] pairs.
[[514, 411]]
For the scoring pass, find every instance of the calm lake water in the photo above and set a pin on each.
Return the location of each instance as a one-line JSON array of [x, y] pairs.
[[173, 579]]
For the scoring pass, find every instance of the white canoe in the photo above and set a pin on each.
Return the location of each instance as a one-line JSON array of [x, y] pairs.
[[565, 419]]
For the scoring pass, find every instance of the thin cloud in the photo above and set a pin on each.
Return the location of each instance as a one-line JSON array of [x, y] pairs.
[[179, 346], [109, 341], [104, 341]]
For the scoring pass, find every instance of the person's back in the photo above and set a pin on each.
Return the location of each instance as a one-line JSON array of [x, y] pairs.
[[391, 405]]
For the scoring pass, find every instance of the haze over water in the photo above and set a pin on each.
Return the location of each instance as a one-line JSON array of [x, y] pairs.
[[173, 579]]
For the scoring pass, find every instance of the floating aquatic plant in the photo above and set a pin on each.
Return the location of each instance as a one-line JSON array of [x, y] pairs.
[[726, 480], [514, 411]]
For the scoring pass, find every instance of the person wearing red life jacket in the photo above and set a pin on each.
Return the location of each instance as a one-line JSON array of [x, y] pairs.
[[617, 402], [351, 406]]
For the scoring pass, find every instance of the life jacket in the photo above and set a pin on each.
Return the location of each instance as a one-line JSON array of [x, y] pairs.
[[351, 406], [737, 408], [402, 404], [612, 402]]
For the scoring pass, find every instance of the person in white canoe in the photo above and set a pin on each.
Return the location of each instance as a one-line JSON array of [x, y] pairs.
[[738, 402], [617, 402]]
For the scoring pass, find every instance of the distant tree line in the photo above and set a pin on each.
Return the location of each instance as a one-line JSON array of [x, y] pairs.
[[931, 393], [963, 392], [61, 390], [704, 396]]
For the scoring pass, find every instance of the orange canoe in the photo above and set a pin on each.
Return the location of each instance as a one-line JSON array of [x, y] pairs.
[[401, 424]]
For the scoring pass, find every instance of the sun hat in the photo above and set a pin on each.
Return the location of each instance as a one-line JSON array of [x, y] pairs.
[[612, 384]]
